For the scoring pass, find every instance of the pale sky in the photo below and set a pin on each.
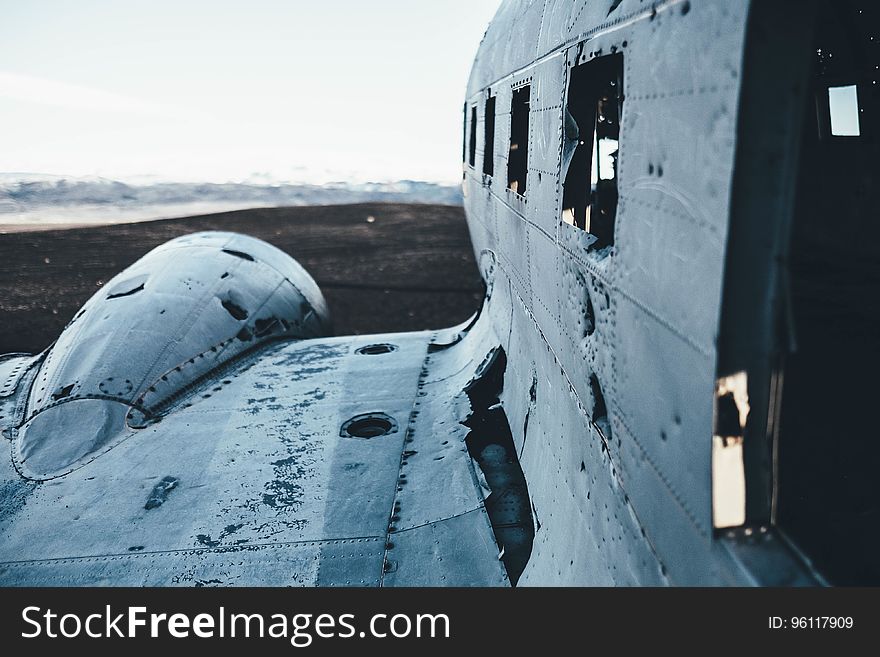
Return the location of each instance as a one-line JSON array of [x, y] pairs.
[[220, 90]]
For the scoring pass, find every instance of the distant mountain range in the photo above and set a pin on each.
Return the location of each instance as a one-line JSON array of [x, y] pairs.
[[29, 198]]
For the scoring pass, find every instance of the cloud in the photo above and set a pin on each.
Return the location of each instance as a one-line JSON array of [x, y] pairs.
[[29, 89]]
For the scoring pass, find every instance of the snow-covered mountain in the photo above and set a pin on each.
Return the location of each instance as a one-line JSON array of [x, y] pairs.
[[30, 198]]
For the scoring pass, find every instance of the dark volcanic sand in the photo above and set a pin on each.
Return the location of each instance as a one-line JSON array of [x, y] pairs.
[[410, 269]]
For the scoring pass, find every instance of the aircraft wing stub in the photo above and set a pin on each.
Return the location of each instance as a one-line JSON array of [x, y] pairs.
[[253, 483]]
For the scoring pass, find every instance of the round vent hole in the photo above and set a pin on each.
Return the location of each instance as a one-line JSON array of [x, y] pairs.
[[370, 425], [376, 349]]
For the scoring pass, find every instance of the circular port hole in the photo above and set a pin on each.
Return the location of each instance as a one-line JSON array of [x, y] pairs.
[[376, 349], [369, 425]]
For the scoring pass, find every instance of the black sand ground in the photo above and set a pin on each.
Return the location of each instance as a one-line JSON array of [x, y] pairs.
[[409, 268]]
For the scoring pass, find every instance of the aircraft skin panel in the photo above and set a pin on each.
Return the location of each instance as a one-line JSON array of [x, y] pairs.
[[12, 368], [548, 315], [15, 371], [513, 252], [520, 20], [452, 552], [436, 442], [622, 496], [324, 563], [581, 476], [583, 517], [545, 196], [260, 450], [677, 415], [249, 482]]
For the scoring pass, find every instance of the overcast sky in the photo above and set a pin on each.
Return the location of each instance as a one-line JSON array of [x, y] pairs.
[[217, 90]]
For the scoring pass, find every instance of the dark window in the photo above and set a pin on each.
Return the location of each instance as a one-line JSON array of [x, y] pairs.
[[489, 142], [472, 149], [843, 111], [595, 99], [464, 134], [518, 157]]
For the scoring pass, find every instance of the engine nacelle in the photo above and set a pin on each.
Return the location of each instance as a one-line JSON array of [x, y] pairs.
[[153, 334]]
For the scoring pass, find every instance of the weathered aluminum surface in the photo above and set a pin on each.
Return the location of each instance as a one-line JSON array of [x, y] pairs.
[[177, 315], [251, 483], [628, 501], [225, 453]]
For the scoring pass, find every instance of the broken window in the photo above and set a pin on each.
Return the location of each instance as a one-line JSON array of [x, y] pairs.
[[518, 156], [595, 99], [472, 148], [489, 138], [728, 470]]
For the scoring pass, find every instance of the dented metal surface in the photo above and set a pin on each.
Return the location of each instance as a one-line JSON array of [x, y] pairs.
[[612, 351]]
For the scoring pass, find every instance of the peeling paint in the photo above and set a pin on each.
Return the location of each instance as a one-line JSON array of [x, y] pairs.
[[14, 495], [160, 492]]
